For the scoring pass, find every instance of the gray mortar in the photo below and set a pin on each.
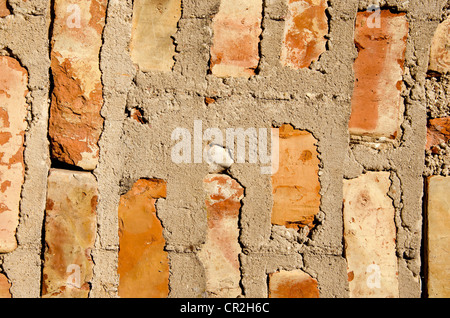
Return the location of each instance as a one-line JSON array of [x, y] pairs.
[[317, 99]]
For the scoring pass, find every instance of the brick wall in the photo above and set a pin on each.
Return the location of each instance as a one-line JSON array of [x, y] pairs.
[[260, 148]]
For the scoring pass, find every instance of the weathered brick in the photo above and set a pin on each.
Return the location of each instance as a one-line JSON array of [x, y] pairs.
[[143, 261], [304, 34], [296, 186], [13, 113], [292, 284], [370, 236], [154, 24], [377, 105], [75, 122], [440, 53], [4, 11], [438, 131], [235, 49], [220, 254], [4, 287], [70, 232], [438, 238]]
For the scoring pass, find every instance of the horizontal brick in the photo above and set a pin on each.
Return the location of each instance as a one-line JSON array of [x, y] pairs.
[[13, 114], [296, 186], [154, 24], [438, 238], [304, 34], [70, 232], [438, 131], [220, 254], [4, 11], [5, 285], [292, 284], [236, 28], [75, 122], [440, 53], [377, 105], [143, 262], [370, 236]]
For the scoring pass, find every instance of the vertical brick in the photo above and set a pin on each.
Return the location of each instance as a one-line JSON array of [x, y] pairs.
[[235, 49], [370, 236], [4, 11], [304, 34], [296, 186], [292, 284], [154, 24], [13, 113], [220, 254], [438, 131], [75, 121], [4, 287], [438, 238], [440, 53], [377, 105], [70, 232], [143, 262]]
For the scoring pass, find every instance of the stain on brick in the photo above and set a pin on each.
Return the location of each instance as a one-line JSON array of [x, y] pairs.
[[70, 232], [438, 239], [377, 105], [438, 132], [296, 186], [236, 28], [13, 113], [220, 254], [143, 261], [370, 236], [75, 122], [154, 24], [292, 284], [440, 52], [4, 11], [5, 285], [304, 34]]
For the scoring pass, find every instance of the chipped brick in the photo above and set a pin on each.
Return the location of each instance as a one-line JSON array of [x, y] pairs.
[[143, 262], [5, 285], [370, 236], [292, 284], [70, 232], [235, 49], [440, 53], [438, 132], [220, 254], [4, 11], [13, 113]]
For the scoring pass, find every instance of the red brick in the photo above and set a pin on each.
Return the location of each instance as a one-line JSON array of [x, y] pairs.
[[377, 105], [236, 27], [70, 232], [143, 262], [220, 254], [4, 287], [438, 131], [13, 113], [292, 284], [4, 11], [440, 53], [296, 186], [75, 121], [305, 31]]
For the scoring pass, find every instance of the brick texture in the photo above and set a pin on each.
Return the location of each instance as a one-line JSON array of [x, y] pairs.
[[5, 285], [13, 113], [292, 284], [440, 53], [438, 238], [4, 11], [220, 254], [236, 28], [154, 24], [75, 121], [438, 132], [377, 105], [70, 232], [143, 262], [305, 31], [296, 186], [370, 236]]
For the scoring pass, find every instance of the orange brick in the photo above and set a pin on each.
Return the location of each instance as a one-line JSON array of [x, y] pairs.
[[440, 53], [236, 27], [143, 262], [4, 11], [296, 186], [438, 131], [220, 254], [377, 105], [305, 31], [292, 284], [4, 287], [13, 113]]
